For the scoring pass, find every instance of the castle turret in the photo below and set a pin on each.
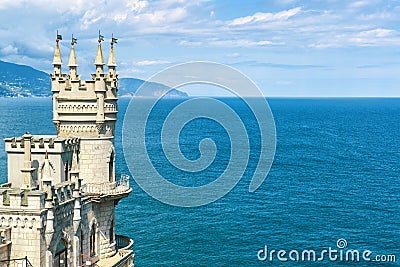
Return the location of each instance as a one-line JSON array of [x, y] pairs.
[[57, 80], [88, 110], [99, 61], [111, 61], [57, 62], [72, 64]]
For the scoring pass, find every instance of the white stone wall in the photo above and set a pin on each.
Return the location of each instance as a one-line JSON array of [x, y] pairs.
[[58, 154], [29, 242], [101, 214], [5, 242], [95, 156], [63, 229]]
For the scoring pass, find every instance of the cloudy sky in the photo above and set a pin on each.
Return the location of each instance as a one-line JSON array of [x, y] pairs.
[[287, 47]]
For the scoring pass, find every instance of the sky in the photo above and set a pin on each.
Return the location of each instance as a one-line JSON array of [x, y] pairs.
[[291, 48]]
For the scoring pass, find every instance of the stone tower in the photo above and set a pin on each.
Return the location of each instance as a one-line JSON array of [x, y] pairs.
[[58, 207], [88, 110]]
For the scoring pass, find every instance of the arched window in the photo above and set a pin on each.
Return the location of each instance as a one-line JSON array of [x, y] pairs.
[[61, 255], [93, 240]]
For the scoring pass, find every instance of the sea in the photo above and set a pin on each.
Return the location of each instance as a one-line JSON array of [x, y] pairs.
[[333, 187]]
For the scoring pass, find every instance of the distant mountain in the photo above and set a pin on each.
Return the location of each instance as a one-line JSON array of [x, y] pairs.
[[21, 80], [24, 81], [129, 86]]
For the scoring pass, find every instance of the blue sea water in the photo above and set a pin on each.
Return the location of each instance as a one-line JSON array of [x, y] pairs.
[[336, 174]]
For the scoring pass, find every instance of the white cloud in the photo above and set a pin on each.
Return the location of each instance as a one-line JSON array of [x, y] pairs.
[[239, 43], [362, 3], [151, 62], [4, 4], [285, 2], [377, 33], [199, 26], [162, 16], [9, 50], [91, 17], [357, 4], [323, 45], [190, 43], [129, 72], [265, 17], [136, 5], [233, 55], [226, 43], [375, 37]]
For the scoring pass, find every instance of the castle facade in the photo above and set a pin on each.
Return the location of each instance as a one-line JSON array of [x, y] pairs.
[[58, 207]]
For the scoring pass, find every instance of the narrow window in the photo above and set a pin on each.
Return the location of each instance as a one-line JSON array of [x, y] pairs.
[[81, 244], [66, 171], [111, 168], [112, 231], [93, 241]]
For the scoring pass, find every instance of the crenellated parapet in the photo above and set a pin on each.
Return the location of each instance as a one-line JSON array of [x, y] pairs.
[[41, 143], [15, 198], [30, 158]]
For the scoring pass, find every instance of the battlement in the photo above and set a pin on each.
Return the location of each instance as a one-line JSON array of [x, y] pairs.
[[64, 192], [35, 200], [17, 199], [27, 158], [41, 144]]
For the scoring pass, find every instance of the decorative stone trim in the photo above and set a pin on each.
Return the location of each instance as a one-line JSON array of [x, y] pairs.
[[18, 221]]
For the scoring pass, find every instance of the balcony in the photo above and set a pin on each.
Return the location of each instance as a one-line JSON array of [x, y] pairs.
[[118, 188], [123, 242], [124, 256]]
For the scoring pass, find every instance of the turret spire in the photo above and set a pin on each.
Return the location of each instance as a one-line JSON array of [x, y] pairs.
[[111, 59], [72, 64], [57, 62], [99, 56], [112, 64], [72, 58], [57, 56]]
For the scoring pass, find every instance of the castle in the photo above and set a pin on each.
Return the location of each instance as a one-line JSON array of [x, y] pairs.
[[58, 207]]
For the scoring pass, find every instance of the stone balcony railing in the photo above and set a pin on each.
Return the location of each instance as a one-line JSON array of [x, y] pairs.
[[108, 188], [123, 242], [124, 256]]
